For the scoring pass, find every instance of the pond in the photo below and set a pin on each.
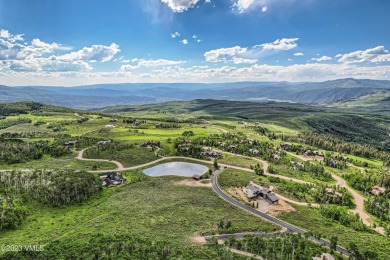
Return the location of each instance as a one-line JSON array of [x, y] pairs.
[[176, 169]]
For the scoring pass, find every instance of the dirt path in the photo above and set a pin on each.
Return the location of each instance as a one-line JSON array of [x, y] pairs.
[[265, 167], [81, 158]]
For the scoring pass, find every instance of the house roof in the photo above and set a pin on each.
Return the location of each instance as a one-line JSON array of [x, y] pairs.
[[252, 188], [272, 197], [250, 193]]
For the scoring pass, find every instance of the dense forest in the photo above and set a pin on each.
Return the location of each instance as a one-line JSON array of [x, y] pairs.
[[9, 109], [119, 247], [57, 188], [364, 130], [17, 151], [279, 248], [328, 142]]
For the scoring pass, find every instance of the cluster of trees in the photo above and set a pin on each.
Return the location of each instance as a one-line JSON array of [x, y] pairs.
[[12, 212], [188, 133], [261, 130], [314, 193], [118, 247], [167, 126], [286, 246], [341, 215], [54, 187], [328, 142], [18, 151], [18, 108], [186, 148], [315, 170], [365, 181], [82, 120], [25, 107], [7, 123], [379, 206], [15, 151], [129, 120]]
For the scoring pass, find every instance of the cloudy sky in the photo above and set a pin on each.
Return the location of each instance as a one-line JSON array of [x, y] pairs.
[[74, 42]]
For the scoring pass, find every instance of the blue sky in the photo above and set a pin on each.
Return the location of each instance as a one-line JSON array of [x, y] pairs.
[[73, 42]]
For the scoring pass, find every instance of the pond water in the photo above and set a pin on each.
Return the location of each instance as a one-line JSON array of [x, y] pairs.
[[176, 169]]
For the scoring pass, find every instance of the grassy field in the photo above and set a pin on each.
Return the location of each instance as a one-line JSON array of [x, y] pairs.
[[236, 178], [156, 208], [128, 157], [64, 162], [310, 219], [237, 161]]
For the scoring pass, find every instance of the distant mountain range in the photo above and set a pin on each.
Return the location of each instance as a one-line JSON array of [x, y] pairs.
[[96, 96]]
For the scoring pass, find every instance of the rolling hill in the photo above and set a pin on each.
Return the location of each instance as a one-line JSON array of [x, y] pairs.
[[96, 96]]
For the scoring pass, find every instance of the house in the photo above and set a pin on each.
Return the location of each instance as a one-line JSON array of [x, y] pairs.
[[271, 197], [333, 163], [251, 191], [184, 149], [276, 157], [103, 142], [285, 145], [376, 190], [112, 179], [325, 256], [114, 120], [329, 191], [222, 144], [151, 144], [254, 151], [297, 163], [68, 143], [210, 154], [318, 153], [241, 123], [109, 126], [309, 153], [197, 177]]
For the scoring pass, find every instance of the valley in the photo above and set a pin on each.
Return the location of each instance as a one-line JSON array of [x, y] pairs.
[[334, 185]]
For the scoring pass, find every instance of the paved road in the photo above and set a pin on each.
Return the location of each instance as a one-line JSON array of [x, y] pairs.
[[290, 228]]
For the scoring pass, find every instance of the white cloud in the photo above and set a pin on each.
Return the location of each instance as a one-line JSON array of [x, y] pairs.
[[223, 53], [10, 37], [283, 44], [373, 55], [179, 6], [142, 63], [237, 60], [298, 54], [17, 55], [176, 34], [244, 6], [184, 41], [323, 58], [92, 54]]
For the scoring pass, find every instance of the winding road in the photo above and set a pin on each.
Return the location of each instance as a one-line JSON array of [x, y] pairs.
[[359, 199], [289, 227]]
